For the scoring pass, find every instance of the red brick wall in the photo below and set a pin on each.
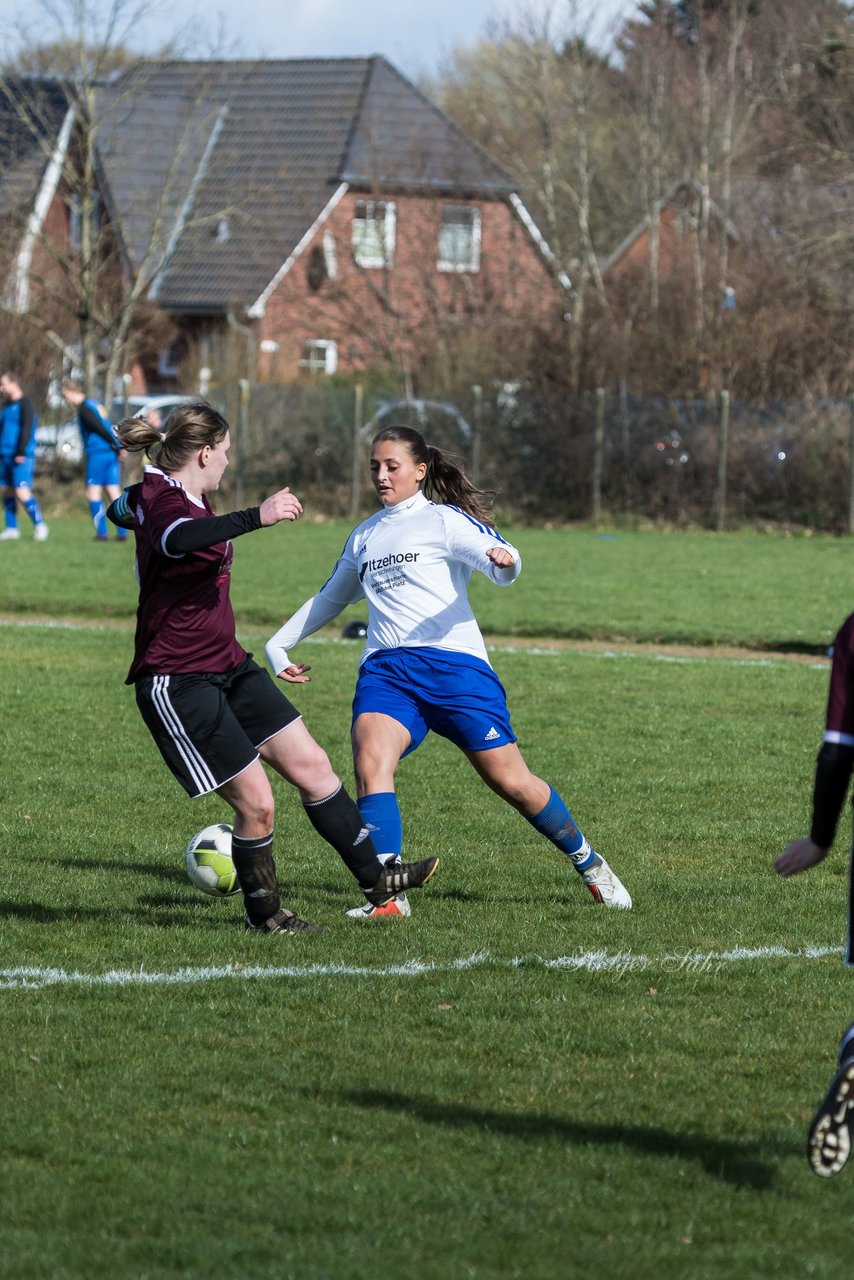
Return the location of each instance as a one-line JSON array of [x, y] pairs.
[[378, 316]]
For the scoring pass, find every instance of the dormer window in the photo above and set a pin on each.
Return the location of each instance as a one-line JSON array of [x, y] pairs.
[[222, 231]]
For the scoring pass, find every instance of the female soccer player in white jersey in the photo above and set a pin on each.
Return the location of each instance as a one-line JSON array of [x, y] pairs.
[[424, 664], [212, 711]]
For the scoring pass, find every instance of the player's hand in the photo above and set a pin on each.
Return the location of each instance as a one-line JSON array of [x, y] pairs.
[[283, 505], [799, 856], [500, 557], [296, 673]]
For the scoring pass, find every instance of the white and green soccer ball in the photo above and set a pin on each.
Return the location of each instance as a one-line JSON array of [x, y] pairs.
[[209, 863]]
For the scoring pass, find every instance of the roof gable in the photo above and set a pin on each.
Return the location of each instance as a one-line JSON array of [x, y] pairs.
[[402, 141]]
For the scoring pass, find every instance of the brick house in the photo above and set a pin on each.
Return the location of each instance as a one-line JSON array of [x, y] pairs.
[[677, 216], [316, 215], [36, 209]]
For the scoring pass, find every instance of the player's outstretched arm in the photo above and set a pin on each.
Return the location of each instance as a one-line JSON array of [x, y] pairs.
[[500, 557], [800, 855], [283, 505]]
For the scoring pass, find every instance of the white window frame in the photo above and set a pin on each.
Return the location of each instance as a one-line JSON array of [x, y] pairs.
[[445, 262], [370, 233], [312, 350]]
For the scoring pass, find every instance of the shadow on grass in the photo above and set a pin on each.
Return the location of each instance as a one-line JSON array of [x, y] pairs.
[[117, 865], [734, 1162], [159, 911]]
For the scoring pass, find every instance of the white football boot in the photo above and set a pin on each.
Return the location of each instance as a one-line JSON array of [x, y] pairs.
[[605, 887]]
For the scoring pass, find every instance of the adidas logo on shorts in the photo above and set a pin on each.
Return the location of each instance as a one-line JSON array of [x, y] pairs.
[[492, 735]]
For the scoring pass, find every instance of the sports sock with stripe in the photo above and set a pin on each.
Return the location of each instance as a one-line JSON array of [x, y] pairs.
[[256, 871], [339, 822], [381, 814], [33, 510], [99, 518], [557, 824]]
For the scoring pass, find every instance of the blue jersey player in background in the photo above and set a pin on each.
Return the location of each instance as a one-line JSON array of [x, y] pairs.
[[18, 460], [104, 455]]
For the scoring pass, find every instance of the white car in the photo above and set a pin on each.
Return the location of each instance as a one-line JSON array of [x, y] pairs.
[[141, 406]]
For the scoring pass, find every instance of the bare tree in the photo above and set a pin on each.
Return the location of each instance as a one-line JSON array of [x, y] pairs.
[[82, 268]]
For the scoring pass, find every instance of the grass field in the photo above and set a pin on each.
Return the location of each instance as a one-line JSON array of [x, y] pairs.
[[513, 1083]]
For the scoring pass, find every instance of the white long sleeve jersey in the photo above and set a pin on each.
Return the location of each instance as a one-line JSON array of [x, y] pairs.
[[412, 563]]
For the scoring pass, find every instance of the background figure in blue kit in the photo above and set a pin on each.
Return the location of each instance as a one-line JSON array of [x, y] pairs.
[[104, 455], [18, 460]]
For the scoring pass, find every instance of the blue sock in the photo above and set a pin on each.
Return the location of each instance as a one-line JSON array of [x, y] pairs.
[[10, 511], [99, 518], [381, 814], [557, 824], [33, 510]]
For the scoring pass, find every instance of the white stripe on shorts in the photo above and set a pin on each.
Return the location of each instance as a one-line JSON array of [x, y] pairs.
[[196, 765]]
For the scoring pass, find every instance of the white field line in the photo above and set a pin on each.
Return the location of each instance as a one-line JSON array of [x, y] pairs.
[[537, 651], [31, 978]]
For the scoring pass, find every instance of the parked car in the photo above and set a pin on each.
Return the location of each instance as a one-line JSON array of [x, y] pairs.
[[140, 406], [59, 445]]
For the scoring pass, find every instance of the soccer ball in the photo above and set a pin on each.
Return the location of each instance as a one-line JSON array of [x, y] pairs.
[[209, 863]]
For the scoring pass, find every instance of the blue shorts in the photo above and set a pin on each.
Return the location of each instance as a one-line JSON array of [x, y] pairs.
[[103, 469], [13, 474], [454, 694]]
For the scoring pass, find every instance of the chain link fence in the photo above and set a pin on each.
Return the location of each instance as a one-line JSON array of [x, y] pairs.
[[601, 456]]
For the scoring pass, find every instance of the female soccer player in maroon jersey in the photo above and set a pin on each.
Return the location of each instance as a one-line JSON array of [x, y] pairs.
[[213, 712], [832, 1129]]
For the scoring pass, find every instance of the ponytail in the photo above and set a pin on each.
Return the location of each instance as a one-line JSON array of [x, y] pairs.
[[189, 427], [444, 481]]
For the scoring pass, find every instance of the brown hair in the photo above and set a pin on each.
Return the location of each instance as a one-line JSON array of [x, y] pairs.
[[444, 481], [189, 427]]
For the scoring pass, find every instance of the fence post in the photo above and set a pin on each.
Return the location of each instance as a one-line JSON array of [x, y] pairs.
[[723, 446], [242, 436], [598, 448], [126, 381], [851, 469], [356, 471], [477, 419]]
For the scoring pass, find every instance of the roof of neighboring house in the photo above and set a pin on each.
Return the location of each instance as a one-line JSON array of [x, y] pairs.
[[263, 148], [684, 193], [32, 110]]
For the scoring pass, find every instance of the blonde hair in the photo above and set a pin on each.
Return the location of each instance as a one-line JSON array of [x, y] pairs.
[[189, 427]]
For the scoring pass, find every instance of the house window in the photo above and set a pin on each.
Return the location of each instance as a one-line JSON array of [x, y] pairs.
[[459, 238], [330, 254], [319, 355], [373, 233], [222, 231], [75, 218], [169, 360]]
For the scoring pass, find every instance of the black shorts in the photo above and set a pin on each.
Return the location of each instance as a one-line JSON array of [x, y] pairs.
[[209, 727]]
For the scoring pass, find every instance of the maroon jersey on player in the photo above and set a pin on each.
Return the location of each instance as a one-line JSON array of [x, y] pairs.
[[184, 621], [839, 726]]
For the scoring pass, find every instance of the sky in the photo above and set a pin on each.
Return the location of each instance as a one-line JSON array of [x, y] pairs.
[[416, 35]]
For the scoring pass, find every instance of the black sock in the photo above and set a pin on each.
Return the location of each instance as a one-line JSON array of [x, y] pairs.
[[339, 822], [256, 871]]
